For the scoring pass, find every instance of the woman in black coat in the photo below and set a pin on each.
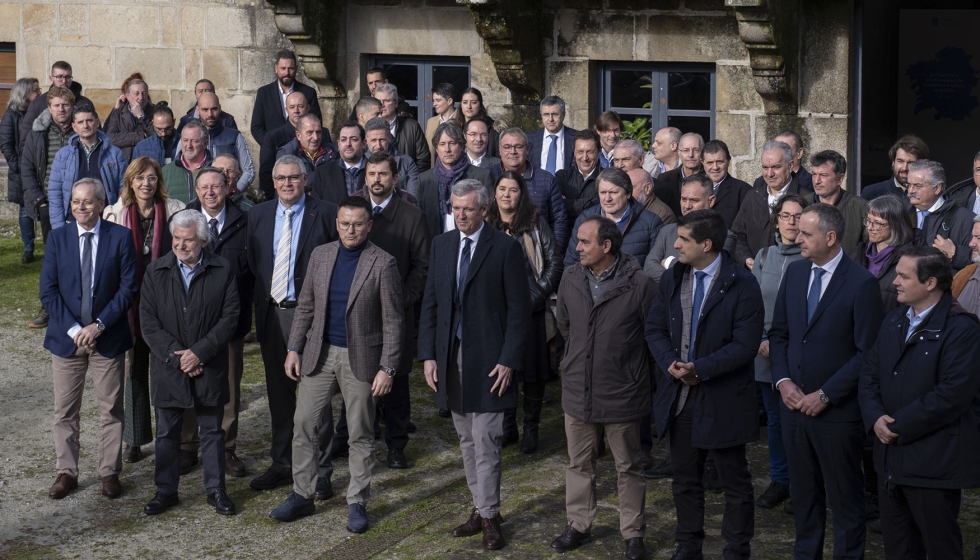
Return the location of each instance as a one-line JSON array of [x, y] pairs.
[[513, 212], [23, 92], [888, 231]]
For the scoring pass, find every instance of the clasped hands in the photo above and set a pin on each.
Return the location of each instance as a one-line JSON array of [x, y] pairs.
[[794, 399], [684, 372], [190, 363]]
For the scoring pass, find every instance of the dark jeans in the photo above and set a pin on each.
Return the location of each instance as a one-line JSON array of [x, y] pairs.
[[920, 522], [778, 464], [27, 232], [170, 423]]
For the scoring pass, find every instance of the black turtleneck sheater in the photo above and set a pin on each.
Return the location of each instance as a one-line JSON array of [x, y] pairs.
[[340, 282]]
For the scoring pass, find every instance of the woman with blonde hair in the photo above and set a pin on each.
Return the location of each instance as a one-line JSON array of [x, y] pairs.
[[144, 208]]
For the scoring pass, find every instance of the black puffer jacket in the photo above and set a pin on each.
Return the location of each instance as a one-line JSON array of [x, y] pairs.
[[10, 145]]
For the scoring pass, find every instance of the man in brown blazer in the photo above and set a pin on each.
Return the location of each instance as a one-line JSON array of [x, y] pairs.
[[349, 323]]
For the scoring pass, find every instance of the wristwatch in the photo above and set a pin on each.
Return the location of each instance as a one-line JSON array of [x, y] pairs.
[[388, 370], [100, 324], [823, 397]]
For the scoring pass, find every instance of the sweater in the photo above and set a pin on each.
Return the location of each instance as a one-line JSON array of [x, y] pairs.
[[769, 272], [335, 332]]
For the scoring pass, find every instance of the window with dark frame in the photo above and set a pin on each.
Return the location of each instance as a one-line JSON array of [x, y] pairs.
[[415, 76]]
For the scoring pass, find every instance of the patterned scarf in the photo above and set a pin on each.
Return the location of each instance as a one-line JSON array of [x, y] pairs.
[[131, 219], [446, 177]]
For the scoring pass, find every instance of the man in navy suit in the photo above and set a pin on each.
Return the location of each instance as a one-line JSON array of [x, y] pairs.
[[88, 283], [552, 148], [269, 112], [281, 235], [828, 311], [907, 149]]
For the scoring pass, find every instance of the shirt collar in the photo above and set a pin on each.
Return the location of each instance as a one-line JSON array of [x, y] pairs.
[[939, 204], [384, 203], [296, 208], [831, 266], [359, 165], [916, 320], [476, 161], [605, 273], [712, 269], [587, 174], [475, 237], [220, 217], [451, 117], [720, 182], [95, 229], [194, 268]]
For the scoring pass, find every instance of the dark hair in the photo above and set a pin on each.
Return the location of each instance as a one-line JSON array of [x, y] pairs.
[[352, 124], [482, 113], [162, 108], [715, 146], [61, 65], [284, 53], [376, 70], [699, 178], [204, 81], [607, 231], [525, 218], [354, 202], [797, 141], [617, 177], [930, 263], [836, 160], [706, 224], [383, 157], [466, 126], [362, 104], [778, 207], [607, 120], [445, 90], [829, 219], [588, 135], [911, 144], [83, 108]]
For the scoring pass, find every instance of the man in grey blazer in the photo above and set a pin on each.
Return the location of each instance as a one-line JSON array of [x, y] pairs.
[[349, 324]]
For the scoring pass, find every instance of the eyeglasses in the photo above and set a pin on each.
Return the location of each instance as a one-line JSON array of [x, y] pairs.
[[287, 178], [873, 225], [512, 147], [786, 216], [344, 226], [151, 179]]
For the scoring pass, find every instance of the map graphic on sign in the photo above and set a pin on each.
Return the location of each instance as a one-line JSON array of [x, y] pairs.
[[944, 84]]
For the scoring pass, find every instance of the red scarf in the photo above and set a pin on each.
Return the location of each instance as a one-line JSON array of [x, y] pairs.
[[131, 219]]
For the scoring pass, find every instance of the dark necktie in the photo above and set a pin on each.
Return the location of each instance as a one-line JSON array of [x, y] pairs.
[[464, 267], [813, 298], [213, 226], [87, 278], [552, 162], [696, 311], [377, 210], [352, 180]]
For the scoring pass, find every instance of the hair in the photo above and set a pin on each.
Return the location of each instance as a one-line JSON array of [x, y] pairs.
[[204, 81], [706, 224], [797, 141], [607, 230], [383, 157], [61, 65], [376, 70], [444, 90], [377, 123], [466, 127], [138, 166], [781, 146], [60, 93], [195, 124], [588, 135], [284, 54], [930, 263], [673, 134], [892, 210], [190, 218], [552, 100], [911, 144], [314, 118], [632, 145], [467, 186], [608, 120], [829, 218], [452, 130], [238, 168], [525, 218], [702, 180], [20, 94], [512, 131], [836, 160], [352, 124], [975, 158], [355, 202], [482, 113], [778, 207], [935, 174], [287, 160], [388, 88], [134, 79], [617, 177], [210, 169], [83, 108], [694, 135], [99, 188], [162, 108], [365, 103], [715, 146]]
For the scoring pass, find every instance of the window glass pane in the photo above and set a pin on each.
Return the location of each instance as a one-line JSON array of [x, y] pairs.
[[406, 79], [689, 91], [412, 111], [701, 125], [630, 88], [639, 128], [458, 76]]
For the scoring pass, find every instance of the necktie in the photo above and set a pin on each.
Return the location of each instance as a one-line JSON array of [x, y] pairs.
[[213, 226], [922, 218], [352, 180], [377, 210], [280, 270], [464, 267], [813, 298], [696, 310], [87, 279], [552, 154]]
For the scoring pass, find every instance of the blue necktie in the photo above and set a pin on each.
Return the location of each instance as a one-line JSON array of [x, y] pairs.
[[464, 267], [377, 210], [696, 310], [352, 180], [552, 154], [813, 298], [87, 279], [924, 214]]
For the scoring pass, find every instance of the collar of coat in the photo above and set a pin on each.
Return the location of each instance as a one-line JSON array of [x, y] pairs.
[[208, 260], [723, 278], [622, 280], [946, 308]]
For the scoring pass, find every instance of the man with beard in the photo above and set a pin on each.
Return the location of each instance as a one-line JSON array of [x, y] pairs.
[[340, 178], [907, 149], [377, 136], [160, 146], [269, 112]]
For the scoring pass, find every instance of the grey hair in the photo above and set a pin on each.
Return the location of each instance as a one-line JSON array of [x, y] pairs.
[[238, 168], [467, 186], [286, 160], [20, 94], [935, 174], [673, 134], [829, 219], [553, 100], [310, 116], [99, 188], [892, 210], [632, 145], [702, 180], [377, 123], [450, 129], [694, 135], [195, 124], [387, 88], [135, 82], [512, 131], [191, 219], [777, 145]]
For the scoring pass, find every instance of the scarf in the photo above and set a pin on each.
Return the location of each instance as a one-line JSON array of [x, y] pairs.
[[131, 219], [446, 177], [877, 260], [533, 249]]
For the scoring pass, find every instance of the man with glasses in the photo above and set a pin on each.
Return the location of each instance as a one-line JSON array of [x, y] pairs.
[[282, 234], [60, 77], [160, 146], [829, 169], [944, 225], [691, 150]]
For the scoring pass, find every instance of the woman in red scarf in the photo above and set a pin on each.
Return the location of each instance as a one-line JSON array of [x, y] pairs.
[[144, 208]]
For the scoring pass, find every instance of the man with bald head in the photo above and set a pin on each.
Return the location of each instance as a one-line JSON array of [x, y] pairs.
[[203, 86], [223, 140], [296, 106], [795, 143], [665, 156], [643, 193], [690, 149]]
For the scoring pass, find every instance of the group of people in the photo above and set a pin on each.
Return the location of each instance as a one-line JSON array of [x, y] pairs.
[[675, 296]]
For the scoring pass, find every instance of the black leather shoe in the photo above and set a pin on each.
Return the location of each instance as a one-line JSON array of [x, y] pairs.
[[510, 438], [443, 413], [324, 490], [161, 503], [663, 470], [529, 443], [635, 549], [131, 454], [396, 459], [27, 257], [570, 540], [221, 502], [776, 494], [687, 552], [271, 479]]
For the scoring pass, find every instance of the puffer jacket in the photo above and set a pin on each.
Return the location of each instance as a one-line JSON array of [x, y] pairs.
[[10, 146], [34, 165], [64, 173], [638, 236]]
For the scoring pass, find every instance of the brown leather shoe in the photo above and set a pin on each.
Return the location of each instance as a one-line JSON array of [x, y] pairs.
[[110, 486], [472, 526], [493, 538], [64, 484], [233, 465]]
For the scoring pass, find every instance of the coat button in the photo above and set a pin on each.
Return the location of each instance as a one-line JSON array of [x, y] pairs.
[[896, 373], [804, 341]]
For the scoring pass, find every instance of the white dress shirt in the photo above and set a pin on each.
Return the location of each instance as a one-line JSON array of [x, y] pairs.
[[282, 97], [920, 219], [774, 197], [220, 217], [559, 144], [475, 239], [95, 251]]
